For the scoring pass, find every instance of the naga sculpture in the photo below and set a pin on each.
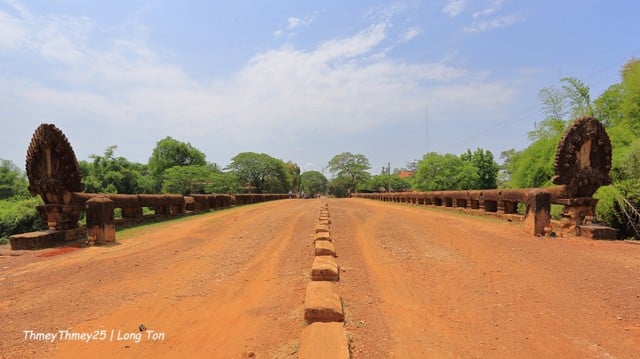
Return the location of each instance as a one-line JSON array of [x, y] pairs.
[[54, 174], [583, 158]]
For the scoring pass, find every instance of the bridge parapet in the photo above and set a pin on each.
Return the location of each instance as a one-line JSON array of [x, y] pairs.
[[582, 165], [54, 174]]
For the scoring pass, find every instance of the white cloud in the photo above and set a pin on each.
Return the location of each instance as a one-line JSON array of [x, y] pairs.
[[411, 33], [340, 84], [485, 25], [12, 30], [454, 8], [487, 18], [359, 44], [294, 22], [54, 44], [491, 9], [384, 12]]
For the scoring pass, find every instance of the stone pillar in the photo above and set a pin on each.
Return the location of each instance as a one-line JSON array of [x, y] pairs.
[[59, 217], [538, 214], [100, 225], [575, 212]]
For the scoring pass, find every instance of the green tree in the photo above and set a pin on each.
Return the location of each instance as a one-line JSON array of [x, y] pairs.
[[294, 173], [533, 166], [505, 174], [572, 99], [13, 182], [170, 153], [261, 171], [339, 187], [186, 179], [619, 109], [630, 101], [444, 172], [553, 125], [381, 182], [111, 174], [224, 182], [553, 102], [607, 106], [486, 167], [18, 215], [313, 182], [351, 169], [579, 97]]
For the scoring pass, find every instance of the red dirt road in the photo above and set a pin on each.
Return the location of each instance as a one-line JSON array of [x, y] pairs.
[[415, 283]]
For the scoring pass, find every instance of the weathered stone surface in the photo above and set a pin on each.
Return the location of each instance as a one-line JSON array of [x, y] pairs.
[[583, 158], [538, 214], [52, 167], [324, 213], [100, 226], [45, 239], [322, 303], [596, 232], [323, 236], [324, 341], [325, 268], [324, 248], [322, 228], [323, 218], [324, 222]]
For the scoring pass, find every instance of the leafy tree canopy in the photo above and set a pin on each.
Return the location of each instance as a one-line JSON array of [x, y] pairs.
[[294, 174], [350, 168], [486, 167], [262, 172], [186, 179], [111, 174], [13, 182], [224, 182], [339, 187], [170, 153], [380, 183], [313, 182], [438, 172]]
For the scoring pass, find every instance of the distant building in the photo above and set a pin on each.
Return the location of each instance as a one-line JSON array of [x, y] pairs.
[[406, 174]]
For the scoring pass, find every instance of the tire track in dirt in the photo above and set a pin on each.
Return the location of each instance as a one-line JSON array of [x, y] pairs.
[[459, 286], [401, 299], [221, 284]]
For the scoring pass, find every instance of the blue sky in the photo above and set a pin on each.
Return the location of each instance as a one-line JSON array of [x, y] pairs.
[[299, 80]]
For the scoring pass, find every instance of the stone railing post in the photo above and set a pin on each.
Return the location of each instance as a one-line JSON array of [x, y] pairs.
[[100, 225], [538, 214]]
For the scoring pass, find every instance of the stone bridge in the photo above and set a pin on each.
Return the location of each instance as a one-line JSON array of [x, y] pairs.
[[54, 174], [582, 165]]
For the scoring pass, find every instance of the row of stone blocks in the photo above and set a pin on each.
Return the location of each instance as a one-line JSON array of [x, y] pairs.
[[325, 336]]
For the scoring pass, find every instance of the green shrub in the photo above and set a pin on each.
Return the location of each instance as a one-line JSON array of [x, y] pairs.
[[19, 216]]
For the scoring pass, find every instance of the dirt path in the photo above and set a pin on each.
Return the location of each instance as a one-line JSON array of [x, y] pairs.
[[423, 283], [223, 284], [415, 283]]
